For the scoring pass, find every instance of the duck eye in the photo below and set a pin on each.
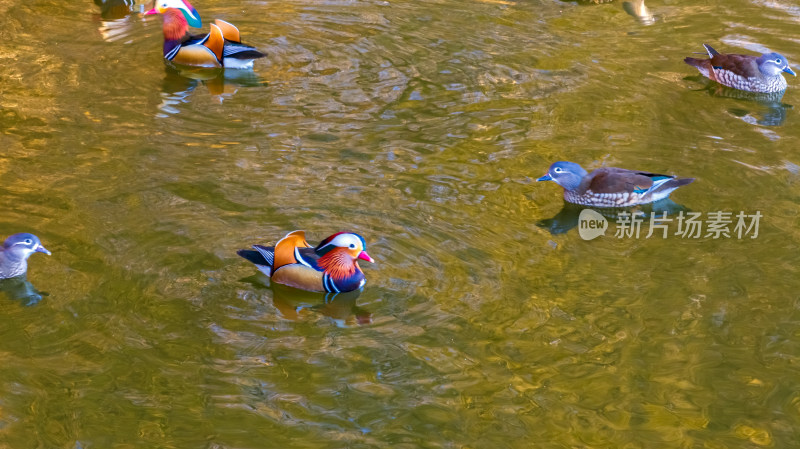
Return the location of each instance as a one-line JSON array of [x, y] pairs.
[[778, 61], [557, 170], [28, 241], [352, 246]]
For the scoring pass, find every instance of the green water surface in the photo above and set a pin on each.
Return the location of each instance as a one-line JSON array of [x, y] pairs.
[[422, 125]]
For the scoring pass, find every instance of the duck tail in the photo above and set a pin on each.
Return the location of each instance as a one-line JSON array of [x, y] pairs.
[[661, 188], [703, 65], [262, 256], [660, 184]]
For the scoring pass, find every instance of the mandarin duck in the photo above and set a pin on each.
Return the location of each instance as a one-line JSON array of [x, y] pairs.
[[330, 267], [221, 47], [744, 72], [15, 252], [610, 186]]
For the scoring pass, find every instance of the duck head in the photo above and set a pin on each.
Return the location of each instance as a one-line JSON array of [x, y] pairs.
[[21, 246], [773, 64], [566, 174], [344, 244], [186, 8]]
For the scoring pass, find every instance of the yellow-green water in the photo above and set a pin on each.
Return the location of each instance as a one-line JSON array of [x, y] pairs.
[[420, 125]]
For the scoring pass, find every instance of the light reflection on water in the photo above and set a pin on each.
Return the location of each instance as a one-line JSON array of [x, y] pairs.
[[421, 126]]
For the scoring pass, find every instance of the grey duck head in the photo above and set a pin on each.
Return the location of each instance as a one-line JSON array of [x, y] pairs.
[[21, 246], [772, 64], [566, 174]]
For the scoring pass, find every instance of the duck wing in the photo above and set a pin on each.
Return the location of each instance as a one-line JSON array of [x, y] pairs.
[[616, 180]]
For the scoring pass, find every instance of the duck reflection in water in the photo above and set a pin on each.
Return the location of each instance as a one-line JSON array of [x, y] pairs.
[[567, 218], [637, 9], [758, 108], [20, 289], [181, 81], [295, 304], [118, 9], [117, 18]]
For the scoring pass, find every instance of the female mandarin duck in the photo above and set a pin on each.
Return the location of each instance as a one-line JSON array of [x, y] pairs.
[[744, 72], [15, 252], [330, 267], [610, 186], [221, 47]]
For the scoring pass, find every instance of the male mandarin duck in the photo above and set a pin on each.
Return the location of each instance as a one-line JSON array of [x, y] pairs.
[[744, 72], [221, 47], [610, 186], [15, 252], [330, 267]]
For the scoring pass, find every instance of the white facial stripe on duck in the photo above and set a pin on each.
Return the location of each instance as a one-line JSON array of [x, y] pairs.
[[353, 243], [191, 14]]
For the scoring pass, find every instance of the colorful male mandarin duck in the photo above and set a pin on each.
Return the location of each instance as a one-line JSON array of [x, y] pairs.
[[611, 187], [15, 252], [330, 267], [221, 47], [744, 72]]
